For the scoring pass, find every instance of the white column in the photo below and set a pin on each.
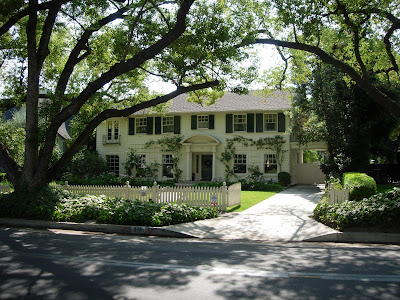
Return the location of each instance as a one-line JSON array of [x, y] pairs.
[[188, 163], [214, 150]]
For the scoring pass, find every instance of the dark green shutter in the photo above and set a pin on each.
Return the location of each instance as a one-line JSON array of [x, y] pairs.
[[250, 122], [149, 125], [194, 122], [229, 123], [131, 126], [158, 125], [177, 124], [259, 122], [281, 122], [211, 122]]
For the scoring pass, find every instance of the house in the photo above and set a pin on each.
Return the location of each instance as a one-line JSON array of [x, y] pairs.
[[250, 131]]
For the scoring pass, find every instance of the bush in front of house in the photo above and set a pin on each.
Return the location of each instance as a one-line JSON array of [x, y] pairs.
[[284, 178], [62, 206], [360, 185], [379, 209]]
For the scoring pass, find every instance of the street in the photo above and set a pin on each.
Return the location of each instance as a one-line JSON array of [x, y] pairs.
[[56, 264]]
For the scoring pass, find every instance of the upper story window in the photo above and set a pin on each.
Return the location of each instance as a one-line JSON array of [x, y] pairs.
[[141, 125], [270, 122], [202, 122], [168, 125], [112, 130], [239, 163], [239, 122]]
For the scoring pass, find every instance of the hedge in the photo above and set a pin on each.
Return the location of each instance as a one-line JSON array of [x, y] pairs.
[[360, 185]]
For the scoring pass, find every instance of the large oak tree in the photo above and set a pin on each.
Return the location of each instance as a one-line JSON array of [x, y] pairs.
[[93, 58]]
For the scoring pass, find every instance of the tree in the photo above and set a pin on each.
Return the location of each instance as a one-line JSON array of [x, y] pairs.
[[358, 37], [353, 125], [93, 57]]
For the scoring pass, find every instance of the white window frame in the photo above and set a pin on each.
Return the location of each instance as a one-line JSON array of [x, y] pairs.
[[240, 120], [168, 122], [240, 160], [113, 164], [203, 121], [270, 160], [141, 125], [270, 119], [168, 160], [112, 130]]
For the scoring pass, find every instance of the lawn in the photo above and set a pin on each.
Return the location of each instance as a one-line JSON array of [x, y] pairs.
[[250, 198]]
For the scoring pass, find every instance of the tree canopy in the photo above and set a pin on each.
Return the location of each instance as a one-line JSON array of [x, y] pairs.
[[92, 59]]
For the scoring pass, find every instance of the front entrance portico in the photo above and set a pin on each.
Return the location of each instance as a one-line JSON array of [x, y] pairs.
[[201, 151]]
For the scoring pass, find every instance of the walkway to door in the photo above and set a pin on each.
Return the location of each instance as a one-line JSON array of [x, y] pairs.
[[283, 217]]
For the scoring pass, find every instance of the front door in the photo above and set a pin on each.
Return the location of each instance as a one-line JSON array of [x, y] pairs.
[[206, 167]]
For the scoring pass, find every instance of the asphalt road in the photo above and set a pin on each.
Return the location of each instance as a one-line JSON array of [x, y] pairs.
[[68, 265]]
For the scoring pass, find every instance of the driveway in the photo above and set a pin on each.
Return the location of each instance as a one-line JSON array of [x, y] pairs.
[[283, 217]]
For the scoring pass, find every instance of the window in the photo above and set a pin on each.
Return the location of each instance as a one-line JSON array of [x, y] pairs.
[[141, 165], [113, 164], [270, 122], [141, 125], [167, 165], [270, 164], [239, 163], [112, 130], [168, 125], [202, 122], [239, 123]]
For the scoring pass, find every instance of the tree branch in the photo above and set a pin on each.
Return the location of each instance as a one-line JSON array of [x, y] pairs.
[[12, 169], [112, 113]]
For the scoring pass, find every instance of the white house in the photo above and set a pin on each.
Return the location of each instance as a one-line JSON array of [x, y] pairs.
[[250, 123]]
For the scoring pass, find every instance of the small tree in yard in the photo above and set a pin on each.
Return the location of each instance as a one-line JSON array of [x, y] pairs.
[[93, 57]]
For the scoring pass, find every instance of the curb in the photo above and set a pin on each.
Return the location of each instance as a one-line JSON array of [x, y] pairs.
[[104, 228], [358, 237]]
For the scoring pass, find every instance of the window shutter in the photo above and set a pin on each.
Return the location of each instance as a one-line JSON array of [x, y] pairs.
[[211, 122], [131, 126], [194, 122], [259, 123], [149, 125], [281, 122], [229, 123], [250, 122], [177, 124], [158, 125]]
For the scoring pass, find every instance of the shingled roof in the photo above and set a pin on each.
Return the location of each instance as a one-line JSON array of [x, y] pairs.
[[231, 102]]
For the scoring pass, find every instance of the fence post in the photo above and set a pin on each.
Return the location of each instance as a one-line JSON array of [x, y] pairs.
[[224, 196], [127, 190], [154, 192]]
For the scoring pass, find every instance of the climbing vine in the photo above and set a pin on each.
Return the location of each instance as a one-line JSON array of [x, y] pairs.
[[275, 143], [171, 144]]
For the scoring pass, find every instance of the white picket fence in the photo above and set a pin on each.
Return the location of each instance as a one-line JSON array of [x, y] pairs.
[[337, 195], [218, 197]]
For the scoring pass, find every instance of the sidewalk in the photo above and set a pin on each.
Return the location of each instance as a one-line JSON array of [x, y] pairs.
[[284, 217]]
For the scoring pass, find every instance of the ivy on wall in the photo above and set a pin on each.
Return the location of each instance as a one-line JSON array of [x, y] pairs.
[[275, 143], [171, 144]]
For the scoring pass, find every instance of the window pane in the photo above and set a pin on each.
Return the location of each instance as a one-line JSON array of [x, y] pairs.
[[239, 163], [113, 164], [240, 123], [167, 165], [270, 122], [270, 164], [168, 124], [202, 122], [141, 125]]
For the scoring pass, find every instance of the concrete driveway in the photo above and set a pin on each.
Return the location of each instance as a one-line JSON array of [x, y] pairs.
[[283, 217]]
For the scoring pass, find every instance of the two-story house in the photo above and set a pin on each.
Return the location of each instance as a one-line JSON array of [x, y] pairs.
[[206, 132]]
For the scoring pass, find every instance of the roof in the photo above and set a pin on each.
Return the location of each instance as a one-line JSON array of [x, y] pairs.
[[231, 102]]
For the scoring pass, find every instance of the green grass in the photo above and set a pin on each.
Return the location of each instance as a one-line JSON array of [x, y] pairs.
[[250, 198]]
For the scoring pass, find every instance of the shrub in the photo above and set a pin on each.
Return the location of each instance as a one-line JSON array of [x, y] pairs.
[[284, 178], [360, 185], [383, 208]]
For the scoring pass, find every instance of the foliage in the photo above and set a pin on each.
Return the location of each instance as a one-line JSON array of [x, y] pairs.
[[62, 206], [171, 144], [132, 160], [85, 165], [284, 178], [327, 108], [383, 208], [360, 185]]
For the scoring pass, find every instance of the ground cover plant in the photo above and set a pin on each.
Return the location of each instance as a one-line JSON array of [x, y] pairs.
[[59, 205], [380, 209]]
